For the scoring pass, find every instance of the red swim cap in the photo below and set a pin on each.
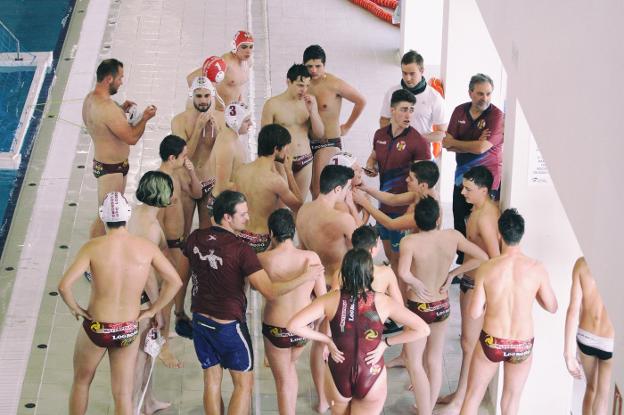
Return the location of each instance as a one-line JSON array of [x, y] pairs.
[[241, 37], [214, 69]]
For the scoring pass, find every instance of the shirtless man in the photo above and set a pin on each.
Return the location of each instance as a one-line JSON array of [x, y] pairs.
[[174, 162], [238, 63], [264, 187], [587, 318], [506, 287], [111, 133], [330, 244], [197, 126], [360, 215], [283, 263], [421, 181], [154, 192], [384, 281], [111, 319], [296, 110], [229, 153], [424, 262], [329, 91], [481, 230]]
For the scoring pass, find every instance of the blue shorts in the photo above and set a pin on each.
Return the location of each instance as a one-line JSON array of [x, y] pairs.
[[226, 344], [394, 236]]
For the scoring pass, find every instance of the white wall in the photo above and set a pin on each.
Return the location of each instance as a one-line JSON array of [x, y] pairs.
[[421, 30], [549, 238], [567, 59]]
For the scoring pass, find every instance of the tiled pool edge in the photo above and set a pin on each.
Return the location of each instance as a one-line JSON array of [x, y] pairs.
[[20, 320]]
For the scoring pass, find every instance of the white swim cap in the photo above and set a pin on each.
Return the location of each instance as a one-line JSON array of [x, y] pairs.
[[343, 159], [201, 82], [115, 208], [235, 114]]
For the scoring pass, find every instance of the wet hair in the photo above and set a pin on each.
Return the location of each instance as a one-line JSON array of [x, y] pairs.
[[115, 225], [226, 203], [481, 176], [282, 224], [364, 237], [271, 137], [297, 71], [155, 189], [172, 145], [426, 171], [108, 67], [402, 95], [479, 78], [333, 176], [357, 273], [411, 56], [511, 226], [314, 52], [426, 213]]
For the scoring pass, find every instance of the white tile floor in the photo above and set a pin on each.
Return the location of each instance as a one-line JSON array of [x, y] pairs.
[[160, 42]]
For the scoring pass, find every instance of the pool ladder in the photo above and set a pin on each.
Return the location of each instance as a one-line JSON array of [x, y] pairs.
[[17, 42]]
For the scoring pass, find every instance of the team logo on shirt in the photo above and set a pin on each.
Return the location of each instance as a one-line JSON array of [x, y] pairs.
[[371, 334], [375, 369], [400, 146], [211, 257], [481, 125]]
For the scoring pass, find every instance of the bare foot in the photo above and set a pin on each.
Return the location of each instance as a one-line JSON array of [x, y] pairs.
[[450, 409], [168, 358], [446, 399], [322, 407], [396, 362], [152, 406]]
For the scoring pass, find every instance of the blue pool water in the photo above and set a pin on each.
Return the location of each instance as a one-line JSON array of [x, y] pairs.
[[36, 23], [14, 86], [40, 25]]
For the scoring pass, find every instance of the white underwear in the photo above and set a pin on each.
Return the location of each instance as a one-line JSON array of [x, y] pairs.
[[591, 340]]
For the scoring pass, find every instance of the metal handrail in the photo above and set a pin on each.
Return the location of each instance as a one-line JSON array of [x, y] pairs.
[[18, 58]]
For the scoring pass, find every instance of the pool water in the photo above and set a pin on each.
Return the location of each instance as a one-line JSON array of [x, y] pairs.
[[40, 26], [14, 86], [36, 23]]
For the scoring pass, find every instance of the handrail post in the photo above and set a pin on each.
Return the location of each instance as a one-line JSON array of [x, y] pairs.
[[18, 57]]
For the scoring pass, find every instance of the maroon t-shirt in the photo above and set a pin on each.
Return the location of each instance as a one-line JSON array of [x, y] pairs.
[[463, 127], [220, 262], [394, 157]]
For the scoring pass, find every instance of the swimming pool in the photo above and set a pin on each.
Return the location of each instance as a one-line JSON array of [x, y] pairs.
[[14, 86], [40, 26]]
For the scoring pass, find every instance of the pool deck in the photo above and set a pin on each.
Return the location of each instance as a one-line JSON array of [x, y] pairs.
[[160, 42]]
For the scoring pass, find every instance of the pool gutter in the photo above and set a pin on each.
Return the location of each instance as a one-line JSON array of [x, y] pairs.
[[32, 240]]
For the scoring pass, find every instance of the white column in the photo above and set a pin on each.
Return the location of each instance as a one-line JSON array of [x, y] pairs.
[[421, 30]]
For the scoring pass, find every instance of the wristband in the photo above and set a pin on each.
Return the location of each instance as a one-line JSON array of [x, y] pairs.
[[386, 341]]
